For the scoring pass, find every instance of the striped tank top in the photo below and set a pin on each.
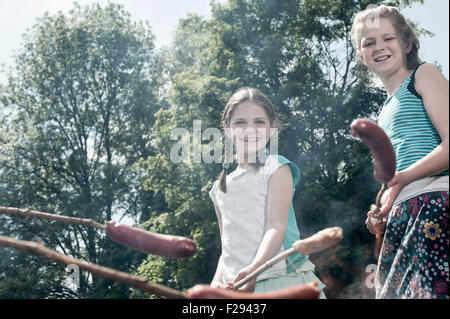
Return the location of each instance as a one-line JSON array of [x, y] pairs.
[[405, 121]]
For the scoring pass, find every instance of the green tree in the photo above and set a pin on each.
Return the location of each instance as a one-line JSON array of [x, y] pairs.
[[82, 104]]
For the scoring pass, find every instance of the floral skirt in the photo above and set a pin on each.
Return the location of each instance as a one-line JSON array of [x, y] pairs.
[[414, 257]]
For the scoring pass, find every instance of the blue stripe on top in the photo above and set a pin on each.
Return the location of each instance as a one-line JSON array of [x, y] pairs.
[[292, 233], [407, 124]]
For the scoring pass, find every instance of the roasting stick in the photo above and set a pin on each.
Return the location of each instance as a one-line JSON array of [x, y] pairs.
[[147, 242], [375, 208], [27, 213], [104, 272], [321, 240]]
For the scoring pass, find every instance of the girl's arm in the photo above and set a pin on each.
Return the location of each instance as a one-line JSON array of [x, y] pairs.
[[433, 87], [279, 199], [217, 281]]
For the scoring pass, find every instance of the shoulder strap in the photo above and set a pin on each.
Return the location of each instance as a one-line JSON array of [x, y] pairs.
[[295, 171], [411, 87]]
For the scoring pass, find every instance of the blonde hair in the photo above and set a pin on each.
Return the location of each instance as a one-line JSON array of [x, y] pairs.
[[402, 27], [243, 95]]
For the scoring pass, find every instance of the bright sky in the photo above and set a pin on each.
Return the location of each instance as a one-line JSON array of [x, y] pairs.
[[18, 15]]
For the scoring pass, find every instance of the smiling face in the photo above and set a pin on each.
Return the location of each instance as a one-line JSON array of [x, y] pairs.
[[381, 49], [249, 129]]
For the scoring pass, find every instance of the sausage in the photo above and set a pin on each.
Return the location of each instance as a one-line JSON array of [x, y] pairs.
[[308, 291], [321, 240], [151, 243], [380, 146]]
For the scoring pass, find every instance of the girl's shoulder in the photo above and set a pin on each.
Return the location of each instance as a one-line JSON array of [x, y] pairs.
[[427, 67], [277, 160], [273, 162], [426, 76], [426, 70]]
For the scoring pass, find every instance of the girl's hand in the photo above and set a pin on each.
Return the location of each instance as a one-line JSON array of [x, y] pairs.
[[376, 226], [217, 284], [248, 287], [395, 186]]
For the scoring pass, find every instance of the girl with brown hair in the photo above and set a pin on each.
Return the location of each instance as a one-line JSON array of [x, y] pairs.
[[254, 202], [414, 258]]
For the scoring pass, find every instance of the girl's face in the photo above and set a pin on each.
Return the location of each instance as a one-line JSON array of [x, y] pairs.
[[382, 50], [250, 128]]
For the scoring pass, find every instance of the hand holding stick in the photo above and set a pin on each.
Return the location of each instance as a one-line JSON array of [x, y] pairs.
[[382, 152], [322, 240], [375, 223], [384, 165], [375, 208]]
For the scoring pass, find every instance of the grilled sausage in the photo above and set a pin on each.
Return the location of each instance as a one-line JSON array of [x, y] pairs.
[[151, 243], [308, 291], [380, 147]]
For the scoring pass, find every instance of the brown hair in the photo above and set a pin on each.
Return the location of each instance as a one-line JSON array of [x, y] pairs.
[[402, 27], [242, 95]]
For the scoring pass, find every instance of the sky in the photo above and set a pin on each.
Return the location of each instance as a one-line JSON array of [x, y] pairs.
[[16, 16]]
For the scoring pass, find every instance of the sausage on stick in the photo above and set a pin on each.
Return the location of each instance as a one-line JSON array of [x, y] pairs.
[[321, 240], [308, 291], [384, 164], [151, 243], [141, 240], [380, 146], [104, 272]]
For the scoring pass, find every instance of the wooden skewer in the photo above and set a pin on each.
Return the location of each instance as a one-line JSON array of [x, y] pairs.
[[321, 240], [107, 273], [147, 242], [375, 208], [27, 213]]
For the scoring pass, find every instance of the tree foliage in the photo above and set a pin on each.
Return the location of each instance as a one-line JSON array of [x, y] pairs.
[[83, 98]]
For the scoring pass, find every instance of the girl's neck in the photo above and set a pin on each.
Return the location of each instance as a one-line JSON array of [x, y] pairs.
[[243, 166], [246, 161], [393, 81]]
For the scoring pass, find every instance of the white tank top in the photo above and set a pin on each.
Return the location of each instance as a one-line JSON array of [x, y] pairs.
[[243, 210]]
